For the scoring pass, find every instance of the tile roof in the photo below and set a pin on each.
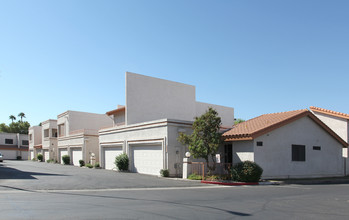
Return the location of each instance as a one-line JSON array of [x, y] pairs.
[[113, 112], [329, 112], [263, 124]]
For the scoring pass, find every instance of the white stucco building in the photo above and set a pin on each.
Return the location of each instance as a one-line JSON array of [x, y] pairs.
[[339, 123], [147, 127], [35, 141], [13, 145], [294, 144], [78, 135], [49, 139]]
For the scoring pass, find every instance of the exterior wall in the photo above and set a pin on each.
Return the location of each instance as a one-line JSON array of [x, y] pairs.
[[149, 98], [226, 113], [275, 156], [157, 132], [35, 131], [242, 151], [50, 143], [11, 151]]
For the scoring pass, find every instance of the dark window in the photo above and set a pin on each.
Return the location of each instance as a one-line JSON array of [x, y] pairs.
[[298, 152], [316, 148], [8, 141], [25, 142], [259, 143]]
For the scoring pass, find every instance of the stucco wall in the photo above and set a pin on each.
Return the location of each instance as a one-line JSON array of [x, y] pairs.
[[149, 98], [338, 125], [242, 151], [226, 113], [36, 132], [275, 156]]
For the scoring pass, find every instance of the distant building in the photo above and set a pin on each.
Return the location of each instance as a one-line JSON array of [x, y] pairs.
[[13, 145]]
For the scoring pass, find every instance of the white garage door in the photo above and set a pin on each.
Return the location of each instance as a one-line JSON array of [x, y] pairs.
[[31, 155], [147, 159], [77, 155], [9, 154], [62, 152], [46, 155], [109, 156]]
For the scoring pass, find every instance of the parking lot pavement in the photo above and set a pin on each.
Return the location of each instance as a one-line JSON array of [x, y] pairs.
[[29, 175]]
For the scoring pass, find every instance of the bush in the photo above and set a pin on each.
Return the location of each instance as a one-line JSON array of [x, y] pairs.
[[121, 162], [194, 176], [82, 163], [246, 171], [19, 158], [97, 165], [49, 161], [89, 165], [165, 173], [40, 157], [66, 159]]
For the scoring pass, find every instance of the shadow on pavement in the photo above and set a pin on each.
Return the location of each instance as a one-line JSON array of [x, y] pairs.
[[11, 173]]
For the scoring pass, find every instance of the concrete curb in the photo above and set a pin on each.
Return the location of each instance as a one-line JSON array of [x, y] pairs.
[[239, 183]]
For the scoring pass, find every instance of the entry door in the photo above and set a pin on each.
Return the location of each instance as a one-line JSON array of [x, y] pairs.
[[228, 153]]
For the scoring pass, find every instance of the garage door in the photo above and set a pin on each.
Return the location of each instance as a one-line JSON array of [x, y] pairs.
[[147, 159], [109, 156], [9, 154], [46, 155], [31, 155], [62, 152], [77, 155]]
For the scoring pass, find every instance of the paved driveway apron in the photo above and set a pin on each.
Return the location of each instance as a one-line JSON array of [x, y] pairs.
[[29, 175]]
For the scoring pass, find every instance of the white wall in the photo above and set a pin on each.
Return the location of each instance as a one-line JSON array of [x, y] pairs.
[[275, 156], [242, 151], [338, 125], [36, 132], [149, 98], [226, 113]]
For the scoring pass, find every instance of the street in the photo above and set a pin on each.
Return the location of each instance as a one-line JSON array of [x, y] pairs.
[[167, 199]]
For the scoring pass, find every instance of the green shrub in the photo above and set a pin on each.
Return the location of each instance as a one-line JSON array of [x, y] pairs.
[[19, 158], [194, 176], [165, 173], [40, 157], [97, 165], [66, 159], [246, 171], [49, 161], [82, 163], [89, 165], [121, 162], [34, 159], [213, 177]]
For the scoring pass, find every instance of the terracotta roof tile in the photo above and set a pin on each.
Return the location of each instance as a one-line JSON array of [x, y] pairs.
[[329, 112], [113, 112], [263, 124]]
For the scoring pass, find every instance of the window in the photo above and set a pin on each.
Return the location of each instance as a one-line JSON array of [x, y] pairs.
[[30, 137], [61, 130], [54, 132], [298, 152], [25, 142], [259, 143], [316, 148], [46, 133], [8, 141]]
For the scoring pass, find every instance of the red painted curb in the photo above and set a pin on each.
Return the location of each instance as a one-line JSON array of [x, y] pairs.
[[228, 184]]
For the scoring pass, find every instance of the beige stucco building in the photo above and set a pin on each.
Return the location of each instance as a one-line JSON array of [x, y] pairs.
[[13, 145], [35, 141], [49, 139], [148, 126]]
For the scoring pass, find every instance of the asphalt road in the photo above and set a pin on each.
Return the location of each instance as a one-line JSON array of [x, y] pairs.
[[169, 199]]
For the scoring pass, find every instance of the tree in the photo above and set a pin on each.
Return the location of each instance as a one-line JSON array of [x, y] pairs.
[[12, 117], [205, 139], [238, 121], [21, 115]]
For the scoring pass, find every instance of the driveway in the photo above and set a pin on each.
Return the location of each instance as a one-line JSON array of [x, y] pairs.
[[29, 175]]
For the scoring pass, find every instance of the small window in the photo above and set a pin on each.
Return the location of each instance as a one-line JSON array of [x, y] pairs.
[[316, 148], [259, 143], [54, 132], [46, 133], [298, 152], [30, 137], [8, 141], [25, 142]]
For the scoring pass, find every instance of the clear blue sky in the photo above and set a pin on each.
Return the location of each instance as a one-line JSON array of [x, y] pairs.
[[256, 56]]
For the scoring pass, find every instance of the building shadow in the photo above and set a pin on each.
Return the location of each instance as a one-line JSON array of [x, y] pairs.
[[11, 173]]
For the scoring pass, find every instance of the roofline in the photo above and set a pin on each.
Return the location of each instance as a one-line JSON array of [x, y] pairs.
[[113, 112], [285, 122], [329, 112]]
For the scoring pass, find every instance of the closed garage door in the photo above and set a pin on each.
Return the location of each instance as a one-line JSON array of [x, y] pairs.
[[109, 156], [9, 154], [62, 152], [31, 155], [147, 159], [46, 155], [77, 155]]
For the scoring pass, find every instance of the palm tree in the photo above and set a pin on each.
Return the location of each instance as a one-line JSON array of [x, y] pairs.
[[12, 117], [22, 115]]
